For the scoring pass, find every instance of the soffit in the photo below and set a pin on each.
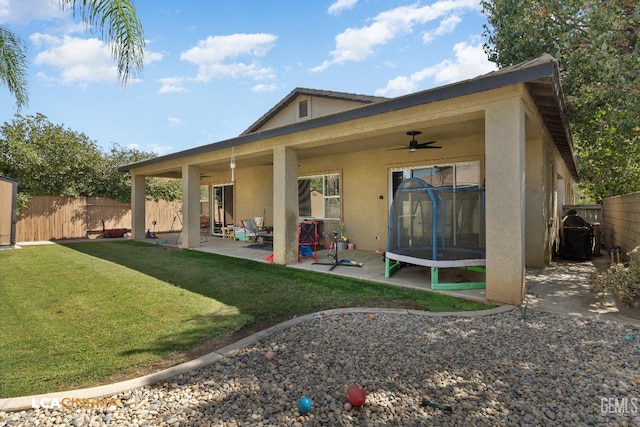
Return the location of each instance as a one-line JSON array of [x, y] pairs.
[[540, 77]]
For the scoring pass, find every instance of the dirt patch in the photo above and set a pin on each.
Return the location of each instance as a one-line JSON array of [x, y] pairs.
[[163, 248], [206, 347]]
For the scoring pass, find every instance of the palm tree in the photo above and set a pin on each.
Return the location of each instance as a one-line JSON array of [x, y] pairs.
[[13, 65], [118, 24]]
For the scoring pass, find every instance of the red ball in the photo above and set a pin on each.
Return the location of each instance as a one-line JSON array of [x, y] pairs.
[[356, 395]]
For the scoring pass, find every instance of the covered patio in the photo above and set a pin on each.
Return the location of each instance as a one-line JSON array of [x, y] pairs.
[[373, 267], [507, 127]]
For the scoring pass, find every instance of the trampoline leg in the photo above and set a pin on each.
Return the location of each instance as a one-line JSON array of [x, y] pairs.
[[455, 286], [389, 267], [434, 277]]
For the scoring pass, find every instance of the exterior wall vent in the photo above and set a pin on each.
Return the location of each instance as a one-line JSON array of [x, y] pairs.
[[303, 108]]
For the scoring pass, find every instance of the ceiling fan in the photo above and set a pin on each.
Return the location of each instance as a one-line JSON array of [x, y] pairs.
[[415, 145]]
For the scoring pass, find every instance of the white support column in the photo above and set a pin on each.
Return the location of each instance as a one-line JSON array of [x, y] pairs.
[[190, 206], [285, 206], [138, 208], [505, 201]]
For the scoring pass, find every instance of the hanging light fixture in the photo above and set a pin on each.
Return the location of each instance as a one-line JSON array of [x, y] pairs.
[[232, 165]]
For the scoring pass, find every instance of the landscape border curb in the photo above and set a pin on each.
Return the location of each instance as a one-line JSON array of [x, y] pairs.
[[13, 404]]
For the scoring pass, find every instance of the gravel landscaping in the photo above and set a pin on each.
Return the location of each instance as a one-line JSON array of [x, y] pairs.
[[416, 369]]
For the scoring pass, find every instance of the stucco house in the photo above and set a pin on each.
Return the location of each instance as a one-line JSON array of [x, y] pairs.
[[505, 130]]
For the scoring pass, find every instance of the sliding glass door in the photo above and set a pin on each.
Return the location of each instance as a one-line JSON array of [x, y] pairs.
[[222, 207]]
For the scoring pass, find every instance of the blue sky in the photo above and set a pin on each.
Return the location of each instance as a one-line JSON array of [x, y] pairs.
[[212, 68]]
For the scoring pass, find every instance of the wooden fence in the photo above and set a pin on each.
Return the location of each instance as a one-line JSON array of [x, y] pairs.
[[50, 218], [590, 213]]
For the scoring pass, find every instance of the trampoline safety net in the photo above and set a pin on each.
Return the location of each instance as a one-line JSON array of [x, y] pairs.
[[437, 226]]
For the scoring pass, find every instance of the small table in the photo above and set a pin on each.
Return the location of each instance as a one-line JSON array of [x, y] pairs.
[[229, 232]]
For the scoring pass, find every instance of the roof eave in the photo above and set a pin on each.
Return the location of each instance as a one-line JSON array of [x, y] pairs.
[[541, 69]]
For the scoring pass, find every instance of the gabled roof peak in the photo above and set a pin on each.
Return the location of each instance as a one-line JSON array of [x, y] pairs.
[[301, 91]]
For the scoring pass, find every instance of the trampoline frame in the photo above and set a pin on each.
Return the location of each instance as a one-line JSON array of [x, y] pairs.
[[394, 260]]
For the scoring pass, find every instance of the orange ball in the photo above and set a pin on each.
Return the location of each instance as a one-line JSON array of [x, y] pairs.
[[356, 395]]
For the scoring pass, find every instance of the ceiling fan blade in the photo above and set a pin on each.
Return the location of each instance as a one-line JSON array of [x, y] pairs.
[[427, 145]]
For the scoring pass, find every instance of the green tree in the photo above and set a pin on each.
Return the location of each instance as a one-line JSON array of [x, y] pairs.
[[51, 160], [596, 43], [118, 24], [48, 159], [13, 66], [117, 185]]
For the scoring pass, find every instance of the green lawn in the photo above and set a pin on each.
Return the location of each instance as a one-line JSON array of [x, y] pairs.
[[74, 315]]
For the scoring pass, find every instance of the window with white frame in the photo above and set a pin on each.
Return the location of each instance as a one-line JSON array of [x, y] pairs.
[[455, 175], [319, 196]]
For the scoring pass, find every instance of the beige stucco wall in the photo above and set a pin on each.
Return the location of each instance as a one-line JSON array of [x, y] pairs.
[[364, 178], [505, 199], [548, 186], [317, 107], [254, 194], [537, 210], [622, 222]]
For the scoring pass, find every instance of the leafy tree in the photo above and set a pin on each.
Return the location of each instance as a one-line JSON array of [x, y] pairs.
[[596, 43], [50, 160], [118, 24], [13, 65], [117, 185]]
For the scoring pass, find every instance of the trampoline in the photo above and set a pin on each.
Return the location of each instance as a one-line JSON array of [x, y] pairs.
[[437, 227]]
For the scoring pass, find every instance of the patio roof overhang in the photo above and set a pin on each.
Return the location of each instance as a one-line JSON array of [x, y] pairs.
[[539, 76]]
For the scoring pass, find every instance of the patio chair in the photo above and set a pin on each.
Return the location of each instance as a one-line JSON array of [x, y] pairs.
[[204, 228], [253, 232], [308, 240]]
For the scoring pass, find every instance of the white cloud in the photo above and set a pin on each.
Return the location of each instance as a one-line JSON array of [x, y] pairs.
[[471, 61], [339, 5], [23, 12], [447, 26], [78, 60], [150, 57], [217, 56], [357, 44], [175, 122], [401, 85], [264, 88], [160, 149], [172, 85]]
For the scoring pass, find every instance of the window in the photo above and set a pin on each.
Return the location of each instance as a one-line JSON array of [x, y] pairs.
[[303, 109], [319, 196], [204, 193], [204, 200], [456, 175]]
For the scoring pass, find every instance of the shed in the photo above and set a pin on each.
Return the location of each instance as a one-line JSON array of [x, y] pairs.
[[8, 211]]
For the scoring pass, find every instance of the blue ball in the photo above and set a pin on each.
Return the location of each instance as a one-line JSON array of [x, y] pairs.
[[304, 405]]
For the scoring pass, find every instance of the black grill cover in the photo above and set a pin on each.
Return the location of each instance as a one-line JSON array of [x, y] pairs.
[[576, 243]]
